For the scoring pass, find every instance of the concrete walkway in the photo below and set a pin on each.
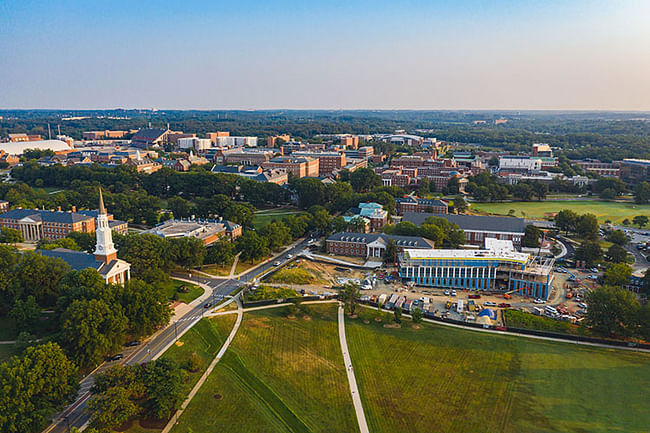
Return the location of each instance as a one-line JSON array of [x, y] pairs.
[[213, 364], [234, 265], [356, 398]]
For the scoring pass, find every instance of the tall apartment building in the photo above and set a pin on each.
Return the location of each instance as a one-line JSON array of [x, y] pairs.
[[214, 135], [195, 143], [364, 152], [273, 140], [351, 141], [231, 141], [98, 135], [607, 169]]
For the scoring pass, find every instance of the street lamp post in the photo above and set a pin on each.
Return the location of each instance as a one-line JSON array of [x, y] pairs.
[[175, 331]]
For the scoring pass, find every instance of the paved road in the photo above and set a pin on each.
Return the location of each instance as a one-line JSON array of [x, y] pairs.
[[75, 416], [356, 398]]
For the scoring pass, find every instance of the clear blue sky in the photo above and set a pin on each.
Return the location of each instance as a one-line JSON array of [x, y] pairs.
[[429, 54]]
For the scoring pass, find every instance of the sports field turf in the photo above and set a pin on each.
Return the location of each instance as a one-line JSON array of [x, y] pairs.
[[604, 210], [449, 380], [264, 217], [280, 374]]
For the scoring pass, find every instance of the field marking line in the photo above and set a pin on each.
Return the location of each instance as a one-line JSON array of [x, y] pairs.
[[354, 390], [204, 377]]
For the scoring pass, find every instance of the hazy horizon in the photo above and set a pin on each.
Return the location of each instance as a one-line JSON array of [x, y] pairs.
[[356, 55]]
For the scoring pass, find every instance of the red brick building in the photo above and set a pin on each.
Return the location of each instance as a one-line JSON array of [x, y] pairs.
[[416, 204]]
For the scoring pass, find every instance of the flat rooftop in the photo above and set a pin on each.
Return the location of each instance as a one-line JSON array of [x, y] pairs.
[[424, 254]]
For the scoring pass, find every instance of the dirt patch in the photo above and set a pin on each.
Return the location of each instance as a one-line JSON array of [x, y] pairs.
[[377, 319], [179, 343], [392, 325], [306, 317], [153, 423], [218, 396], [352, 316], [366, 321], [416, 326], [290, 317], [258, 323]]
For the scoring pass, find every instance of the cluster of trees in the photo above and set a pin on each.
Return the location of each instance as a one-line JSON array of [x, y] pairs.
[[485, 187], [442, 232], [34, 386], [10, 236], [617, 312], [154, 390], [92, 318]]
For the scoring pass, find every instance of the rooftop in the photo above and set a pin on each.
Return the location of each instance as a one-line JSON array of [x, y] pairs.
[[472, 222]]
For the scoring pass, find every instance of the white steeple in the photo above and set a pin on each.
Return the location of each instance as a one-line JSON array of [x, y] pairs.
[[105, 250]]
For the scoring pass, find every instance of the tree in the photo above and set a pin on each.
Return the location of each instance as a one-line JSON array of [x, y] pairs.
[[34, 387], [277, 234], [612, 310], [608, 194], [590, 252], [146, 252], [390, 253], [617, 275], [587, 226], [187, 252], [39, 276], [310, 191], [617, 254], [252, 246], [111, 408], [221, 253], [642, 193], [531, 237], [145, 306], [618, 237], [10, 236], [460, 204], [645, 283], [357, 225], [641, 220], [397, 315], [67, 243], [92, 329], [180, 207], [566, 220], [364, 179], [417, 315], [350, 296], [26, 314], [540, 190], [85, 241], [626, 222], [163, 381]]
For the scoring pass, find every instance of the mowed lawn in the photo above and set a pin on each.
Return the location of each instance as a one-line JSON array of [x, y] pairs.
[[604, 210], [450, 380], [280, 374], [263, 217]]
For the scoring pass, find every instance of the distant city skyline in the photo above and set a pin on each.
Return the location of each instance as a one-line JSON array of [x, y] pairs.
[[356, 54]]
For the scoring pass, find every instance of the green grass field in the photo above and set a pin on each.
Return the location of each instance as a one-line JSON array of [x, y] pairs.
[[173, 291], [263, 217], [279, 375], [449, 380], [604, 210]]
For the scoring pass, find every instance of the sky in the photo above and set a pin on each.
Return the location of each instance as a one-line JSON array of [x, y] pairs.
[[319, 54]]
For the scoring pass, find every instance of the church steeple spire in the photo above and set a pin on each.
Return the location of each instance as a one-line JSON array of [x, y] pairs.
[[105, 250]]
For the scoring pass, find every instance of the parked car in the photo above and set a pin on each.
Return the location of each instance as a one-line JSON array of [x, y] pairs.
[[474, 296], [453, 293], [116, 357], [504, 305], [132, 343], [290, 256], [490, 304], [207, 305], [446, 292], [276, 264], [539, 301]]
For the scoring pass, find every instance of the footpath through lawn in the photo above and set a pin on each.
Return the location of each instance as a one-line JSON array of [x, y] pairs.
[[450, 380], [280, 374]]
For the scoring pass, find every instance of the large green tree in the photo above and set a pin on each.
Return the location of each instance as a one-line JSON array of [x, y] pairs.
[[617, 275], [164, 384], [145, 306], [364, 179], [612, 310]]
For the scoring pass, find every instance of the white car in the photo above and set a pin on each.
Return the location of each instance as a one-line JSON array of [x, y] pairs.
[[539, 301], [289, 256], [277, 264], [453, 293], [490, 304], [446, 292]]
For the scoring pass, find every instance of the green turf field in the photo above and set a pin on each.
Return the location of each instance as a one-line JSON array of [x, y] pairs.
[[263, 217], [604, 210], [449, 380], [279, 375]]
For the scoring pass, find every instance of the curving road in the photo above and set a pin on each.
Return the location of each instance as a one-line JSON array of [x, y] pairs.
[[217, 289]]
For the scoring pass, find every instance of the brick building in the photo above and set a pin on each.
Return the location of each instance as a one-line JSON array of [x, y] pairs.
[[371, 245], [607, 169], [328, 162], [415, 204], [37, 224], [298, 166]]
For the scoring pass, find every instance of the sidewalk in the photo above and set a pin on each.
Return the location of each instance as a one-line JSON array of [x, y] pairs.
[[213, 364], [356, 398], [183, 308]]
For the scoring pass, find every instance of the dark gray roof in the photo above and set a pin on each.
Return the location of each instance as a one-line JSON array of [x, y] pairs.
[[472, 222], [77, 260], [366, 238], [424, 201], [149, 134], [46, 215]]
